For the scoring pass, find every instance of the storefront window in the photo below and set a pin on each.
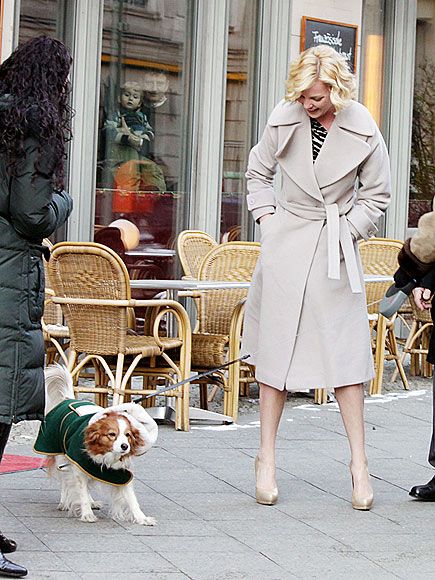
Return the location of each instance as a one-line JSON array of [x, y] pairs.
[[53, 18], [372, 58], [238, 113], [48, 17], [422, 174], [142, 133]]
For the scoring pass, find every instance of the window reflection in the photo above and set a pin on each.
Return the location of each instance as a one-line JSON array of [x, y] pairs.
[[238, 113], [422, 170], [48, 17], [141, 153], [372, 56]]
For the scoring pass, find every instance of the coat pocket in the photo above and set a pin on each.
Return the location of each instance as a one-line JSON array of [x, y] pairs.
[[36, 281], [266, 224]]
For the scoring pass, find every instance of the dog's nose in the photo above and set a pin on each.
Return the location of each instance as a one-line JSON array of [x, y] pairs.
[[124, 446]]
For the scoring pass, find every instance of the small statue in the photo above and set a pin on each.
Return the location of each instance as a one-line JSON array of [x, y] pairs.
[[128, 131]]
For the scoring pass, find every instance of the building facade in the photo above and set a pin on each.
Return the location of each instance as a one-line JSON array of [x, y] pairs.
[[170, 95]]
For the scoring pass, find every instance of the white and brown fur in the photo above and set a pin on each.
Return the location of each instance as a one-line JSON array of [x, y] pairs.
[[112, 438]]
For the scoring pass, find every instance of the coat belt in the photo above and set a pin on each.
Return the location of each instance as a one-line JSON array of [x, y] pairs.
[[338, 235]]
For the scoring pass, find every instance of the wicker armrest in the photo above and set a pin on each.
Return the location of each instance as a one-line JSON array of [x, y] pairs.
[[164, 307]]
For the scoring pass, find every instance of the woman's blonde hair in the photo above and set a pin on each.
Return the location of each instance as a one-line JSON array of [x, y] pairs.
[[321, 63]]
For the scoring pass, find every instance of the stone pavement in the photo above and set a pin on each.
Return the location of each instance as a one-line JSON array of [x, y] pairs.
[[200, 487]]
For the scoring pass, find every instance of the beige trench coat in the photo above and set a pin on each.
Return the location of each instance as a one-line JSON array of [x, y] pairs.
[[306, 318]]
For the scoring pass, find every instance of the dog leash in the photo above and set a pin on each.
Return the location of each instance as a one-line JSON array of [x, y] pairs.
[[191, 379]]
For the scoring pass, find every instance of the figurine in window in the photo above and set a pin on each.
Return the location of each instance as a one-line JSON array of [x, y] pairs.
[[128, 130]]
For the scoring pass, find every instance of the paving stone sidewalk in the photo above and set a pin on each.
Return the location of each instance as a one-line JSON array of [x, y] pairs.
[[200, 487]]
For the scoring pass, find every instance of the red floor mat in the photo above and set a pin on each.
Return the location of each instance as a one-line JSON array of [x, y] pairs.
[[12, 463]]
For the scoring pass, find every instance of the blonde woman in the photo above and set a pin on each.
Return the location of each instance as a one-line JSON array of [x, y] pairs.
[[306, 319]]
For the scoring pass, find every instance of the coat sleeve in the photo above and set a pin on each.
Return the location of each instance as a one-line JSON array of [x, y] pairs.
[[36, 211], [429, 280], [423, 242], [374, 191], [260, 174]]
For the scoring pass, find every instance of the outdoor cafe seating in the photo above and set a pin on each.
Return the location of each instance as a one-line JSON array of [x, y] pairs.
[[90, 282], [92, 285], [379, 256], [217, 338]]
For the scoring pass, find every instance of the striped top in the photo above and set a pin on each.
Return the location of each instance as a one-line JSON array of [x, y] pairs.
[[318, 136]]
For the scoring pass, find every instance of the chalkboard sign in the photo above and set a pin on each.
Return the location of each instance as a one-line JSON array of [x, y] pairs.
[[342, 37]]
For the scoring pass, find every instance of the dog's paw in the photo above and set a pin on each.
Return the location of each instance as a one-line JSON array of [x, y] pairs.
[[89, 518], [145, 521], [96, 505], [62, 507]]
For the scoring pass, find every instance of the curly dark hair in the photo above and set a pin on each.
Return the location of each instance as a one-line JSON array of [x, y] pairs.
[[34, 80]]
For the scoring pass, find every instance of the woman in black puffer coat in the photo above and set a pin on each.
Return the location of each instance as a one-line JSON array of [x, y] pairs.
[[34, 128], [417, 261]]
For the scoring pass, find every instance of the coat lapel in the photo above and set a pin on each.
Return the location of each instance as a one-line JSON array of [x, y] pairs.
[[294, 129], [346, 141]]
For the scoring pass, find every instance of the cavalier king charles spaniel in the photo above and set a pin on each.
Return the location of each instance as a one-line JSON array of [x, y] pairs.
[[87, 443]]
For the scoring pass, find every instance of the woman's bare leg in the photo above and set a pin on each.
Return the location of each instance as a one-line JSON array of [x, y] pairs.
[[271, 406], [351, 403]]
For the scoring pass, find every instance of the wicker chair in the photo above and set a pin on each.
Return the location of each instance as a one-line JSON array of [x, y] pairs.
[[220, 318], [379, 256], [417, 343], [56, 334], [232, 235], [91, 284], [192, 247]]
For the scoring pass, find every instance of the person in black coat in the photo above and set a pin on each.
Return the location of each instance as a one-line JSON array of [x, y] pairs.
[[34, 128], [417, 262]]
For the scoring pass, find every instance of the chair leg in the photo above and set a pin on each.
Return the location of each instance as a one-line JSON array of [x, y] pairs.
[[395, 353], [203, 396], [179, 413], [118, 397], [149, 383], [381, 331], [234, 382], [101, 380], [213, 394], [408, 342], [320, 396]]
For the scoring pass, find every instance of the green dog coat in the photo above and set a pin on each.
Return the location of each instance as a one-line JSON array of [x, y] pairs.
[[62, 433]]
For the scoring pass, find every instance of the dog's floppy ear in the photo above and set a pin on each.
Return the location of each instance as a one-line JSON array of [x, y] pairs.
[[91, 434], [137, 442], [147, 433]]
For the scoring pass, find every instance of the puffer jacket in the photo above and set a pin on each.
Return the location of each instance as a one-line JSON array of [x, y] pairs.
[[423, 247], [29, 211], [417, 259]]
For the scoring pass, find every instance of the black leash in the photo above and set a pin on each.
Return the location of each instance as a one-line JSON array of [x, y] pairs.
[[191, 379]]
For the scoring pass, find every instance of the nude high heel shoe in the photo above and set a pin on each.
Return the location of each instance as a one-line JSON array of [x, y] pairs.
[[363, 503], [262, 495]]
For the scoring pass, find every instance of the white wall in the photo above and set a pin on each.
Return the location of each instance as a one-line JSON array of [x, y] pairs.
[[348, 12]]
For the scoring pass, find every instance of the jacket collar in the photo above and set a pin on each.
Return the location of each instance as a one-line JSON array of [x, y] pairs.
[[348, 133], [354, 118]]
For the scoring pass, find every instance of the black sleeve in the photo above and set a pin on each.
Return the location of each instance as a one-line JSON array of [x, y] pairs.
[[36, 211], [429, 280]]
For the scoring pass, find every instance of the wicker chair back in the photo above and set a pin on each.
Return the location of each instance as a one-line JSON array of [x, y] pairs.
[[192, 247], [91, 271], [378, 256], [233, 261]]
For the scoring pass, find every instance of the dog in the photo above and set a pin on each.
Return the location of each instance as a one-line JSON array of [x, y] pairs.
[[85, 442]]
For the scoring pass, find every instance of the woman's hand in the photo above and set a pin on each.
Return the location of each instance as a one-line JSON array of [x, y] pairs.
[[422, 298]]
